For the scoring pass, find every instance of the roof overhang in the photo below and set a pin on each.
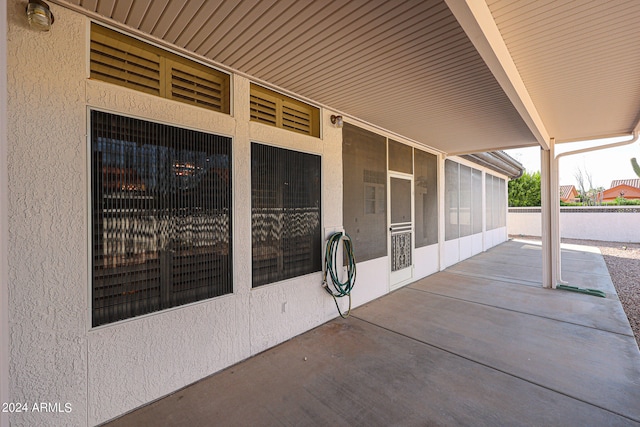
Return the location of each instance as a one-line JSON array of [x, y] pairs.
[[461, 76]]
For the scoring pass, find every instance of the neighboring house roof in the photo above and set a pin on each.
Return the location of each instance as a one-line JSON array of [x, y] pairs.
[[623, 190], [634, 182], [568, 193]]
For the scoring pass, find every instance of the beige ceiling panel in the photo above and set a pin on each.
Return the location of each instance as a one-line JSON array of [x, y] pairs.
[[171, 11], [225, 38], [394, 41], [88, 4], [105, 7], [579, 61], [205, 23], [307, 43], [137, 12], [122, 9], [152, 15], [268, 31], [191, 11]]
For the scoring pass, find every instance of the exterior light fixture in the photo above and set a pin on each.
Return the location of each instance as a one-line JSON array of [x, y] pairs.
[[39, 15], [337, 121]]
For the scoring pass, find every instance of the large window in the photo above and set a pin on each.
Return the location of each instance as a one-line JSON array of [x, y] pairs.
[[285, 214], [161, 216]]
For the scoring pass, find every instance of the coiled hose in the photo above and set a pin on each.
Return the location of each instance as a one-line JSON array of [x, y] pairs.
[[337, 288]]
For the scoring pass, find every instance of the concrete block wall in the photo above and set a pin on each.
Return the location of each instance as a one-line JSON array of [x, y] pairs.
[[611, 223]]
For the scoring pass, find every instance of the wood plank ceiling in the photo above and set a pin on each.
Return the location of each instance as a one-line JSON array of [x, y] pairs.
[[409, 67]]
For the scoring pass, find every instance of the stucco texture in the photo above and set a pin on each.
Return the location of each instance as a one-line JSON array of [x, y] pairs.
[[47, 211], [55, 355]]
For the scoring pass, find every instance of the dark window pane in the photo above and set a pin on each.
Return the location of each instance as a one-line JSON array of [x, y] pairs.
[[161, 216], [285, 214], [364, 171]]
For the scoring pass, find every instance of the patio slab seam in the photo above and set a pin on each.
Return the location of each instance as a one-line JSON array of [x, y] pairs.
[[500, 278], [504, 372], [516, 311]]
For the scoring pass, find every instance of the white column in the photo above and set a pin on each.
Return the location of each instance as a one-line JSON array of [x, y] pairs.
[[550, 198], [4, 213]]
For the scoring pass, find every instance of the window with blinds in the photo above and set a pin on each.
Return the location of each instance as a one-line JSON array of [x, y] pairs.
[[275, 109], [161, 217], [285, 214], [125, 61]]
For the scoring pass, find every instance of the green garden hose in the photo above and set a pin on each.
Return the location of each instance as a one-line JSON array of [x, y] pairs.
[[337, 288]]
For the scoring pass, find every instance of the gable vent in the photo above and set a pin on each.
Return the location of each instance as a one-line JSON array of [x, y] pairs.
[[278, 110], [125, 61]]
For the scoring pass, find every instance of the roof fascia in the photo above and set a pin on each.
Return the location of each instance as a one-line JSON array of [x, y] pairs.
[[477, 22]]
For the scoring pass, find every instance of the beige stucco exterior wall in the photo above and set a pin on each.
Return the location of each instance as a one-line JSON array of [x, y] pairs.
[[47, 217], [55, 354], [4, 227]]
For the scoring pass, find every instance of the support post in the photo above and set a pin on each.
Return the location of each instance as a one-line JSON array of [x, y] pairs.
[[550, 213]]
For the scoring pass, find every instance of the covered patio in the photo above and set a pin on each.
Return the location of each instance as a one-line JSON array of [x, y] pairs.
[[432, 85], [481, 343]]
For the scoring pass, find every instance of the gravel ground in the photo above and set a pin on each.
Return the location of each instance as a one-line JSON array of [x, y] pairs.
[[623, 262]]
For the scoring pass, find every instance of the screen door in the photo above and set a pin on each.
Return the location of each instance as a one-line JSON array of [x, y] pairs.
[[401, 229]]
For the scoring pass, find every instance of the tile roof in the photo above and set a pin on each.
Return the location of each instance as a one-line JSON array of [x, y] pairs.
[[634, 182], [565, 191]]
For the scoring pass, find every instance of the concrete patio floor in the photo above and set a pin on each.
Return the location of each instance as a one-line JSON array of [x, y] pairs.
[[479, 344]]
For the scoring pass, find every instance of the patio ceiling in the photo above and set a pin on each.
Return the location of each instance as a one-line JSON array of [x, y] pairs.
[[459, 76]]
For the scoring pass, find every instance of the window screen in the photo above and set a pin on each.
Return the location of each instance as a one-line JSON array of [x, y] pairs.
[[161, 216], [285, 214], [426, 198], [496, 210], [451, 196], [364, 171], [464, 214], [476, 194], [400, 157]]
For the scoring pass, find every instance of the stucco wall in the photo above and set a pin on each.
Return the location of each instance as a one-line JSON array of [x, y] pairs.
[[4, 228], [614, 224], [47, 241]]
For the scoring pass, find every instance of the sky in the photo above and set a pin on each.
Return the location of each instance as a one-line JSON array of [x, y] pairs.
[[603, 165]]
